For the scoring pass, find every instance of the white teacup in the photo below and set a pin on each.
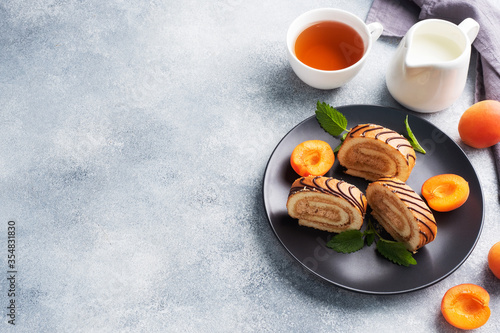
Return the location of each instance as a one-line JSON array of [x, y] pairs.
[[330, 79]]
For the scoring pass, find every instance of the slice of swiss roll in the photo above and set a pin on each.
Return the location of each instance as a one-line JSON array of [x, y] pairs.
[[326, 203], [401, 212], [371, 151]]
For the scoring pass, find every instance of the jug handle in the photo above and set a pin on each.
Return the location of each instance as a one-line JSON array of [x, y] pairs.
[[375, 29], [470, 28]]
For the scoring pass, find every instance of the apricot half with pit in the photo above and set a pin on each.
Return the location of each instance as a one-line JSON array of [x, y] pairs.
[[465, 306]]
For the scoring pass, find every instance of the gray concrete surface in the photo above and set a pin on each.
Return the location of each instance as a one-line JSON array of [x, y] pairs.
[[133, 142]]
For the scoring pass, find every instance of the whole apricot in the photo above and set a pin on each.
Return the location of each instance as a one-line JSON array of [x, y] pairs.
[[479, 125], [494, 259]]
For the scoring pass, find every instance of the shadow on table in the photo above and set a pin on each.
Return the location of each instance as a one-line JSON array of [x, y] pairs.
[[284, 88]]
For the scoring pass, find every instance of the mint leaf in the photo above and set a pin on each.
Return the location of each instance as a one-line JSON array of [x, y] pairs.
[[354, 240], [340, 144], [370, 233], [412, 139], [370, 237], [395, 252], [330, 119], [347, 241]]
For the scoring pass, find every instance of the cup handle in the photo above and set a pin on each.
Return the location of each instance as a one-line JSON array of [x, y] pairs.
[[375, 30], [470, 28]]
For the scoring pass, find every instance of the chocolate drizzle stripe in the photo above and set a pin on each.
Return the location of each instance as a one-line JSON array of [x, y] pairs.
[[432, 233], [375, 128], [401, 189], [396, 136], [422, 211], [338, 192], [426, 238], [410, 193], [362, 127], [385, 181], [362, 205], [385, 131], [420, 220], [349, 197], [392, 138], [419, 212], [404, 145], [316, 184], [417, 200]]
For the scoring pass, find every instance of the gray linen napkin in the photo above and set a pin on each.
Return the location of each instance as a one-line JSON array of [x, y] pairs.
[[397, 16]]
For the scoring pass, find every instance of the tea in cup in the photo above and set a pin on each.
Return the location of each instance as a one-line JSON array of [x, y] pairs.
[[327, 47]]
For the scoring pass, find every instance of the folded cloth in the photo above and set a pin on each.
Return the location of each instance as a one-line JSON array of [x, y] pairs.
[[397, 16]]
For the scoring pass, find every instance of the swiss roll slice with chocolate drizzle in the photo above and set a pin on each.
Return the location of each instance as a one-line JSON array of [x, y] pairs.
[[326, 203], [401, 212], [372, 151]]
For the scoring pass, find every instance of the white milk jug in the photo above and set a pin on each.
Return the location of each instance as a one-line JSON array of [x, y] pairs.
[[429, 69]]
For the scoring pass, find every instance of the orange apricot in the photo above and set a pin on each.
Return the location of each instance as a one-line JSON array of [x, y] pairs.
[[445, 192], [312, 158], [494, 259], [465, 306], [479, 125]]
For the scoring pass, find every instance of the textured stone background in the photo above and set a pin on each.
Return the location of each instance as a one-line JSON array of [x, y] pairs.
[[133, 142]]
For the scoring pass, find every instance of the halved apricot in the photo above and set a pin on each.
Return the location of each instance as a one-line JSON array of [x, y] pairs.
[[465, 306], [445, 192], [312, 158]]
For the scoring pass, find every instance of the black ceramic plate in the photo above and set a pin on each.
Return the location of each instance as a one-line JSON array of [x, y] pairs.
[[365, 270]]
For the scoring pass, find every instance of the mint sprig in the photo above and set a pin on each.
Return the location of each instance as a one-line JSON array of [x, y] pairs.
[[330, 119], [341, 142], [395, 252], [347, 242], [354, 240], [412, 139]]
